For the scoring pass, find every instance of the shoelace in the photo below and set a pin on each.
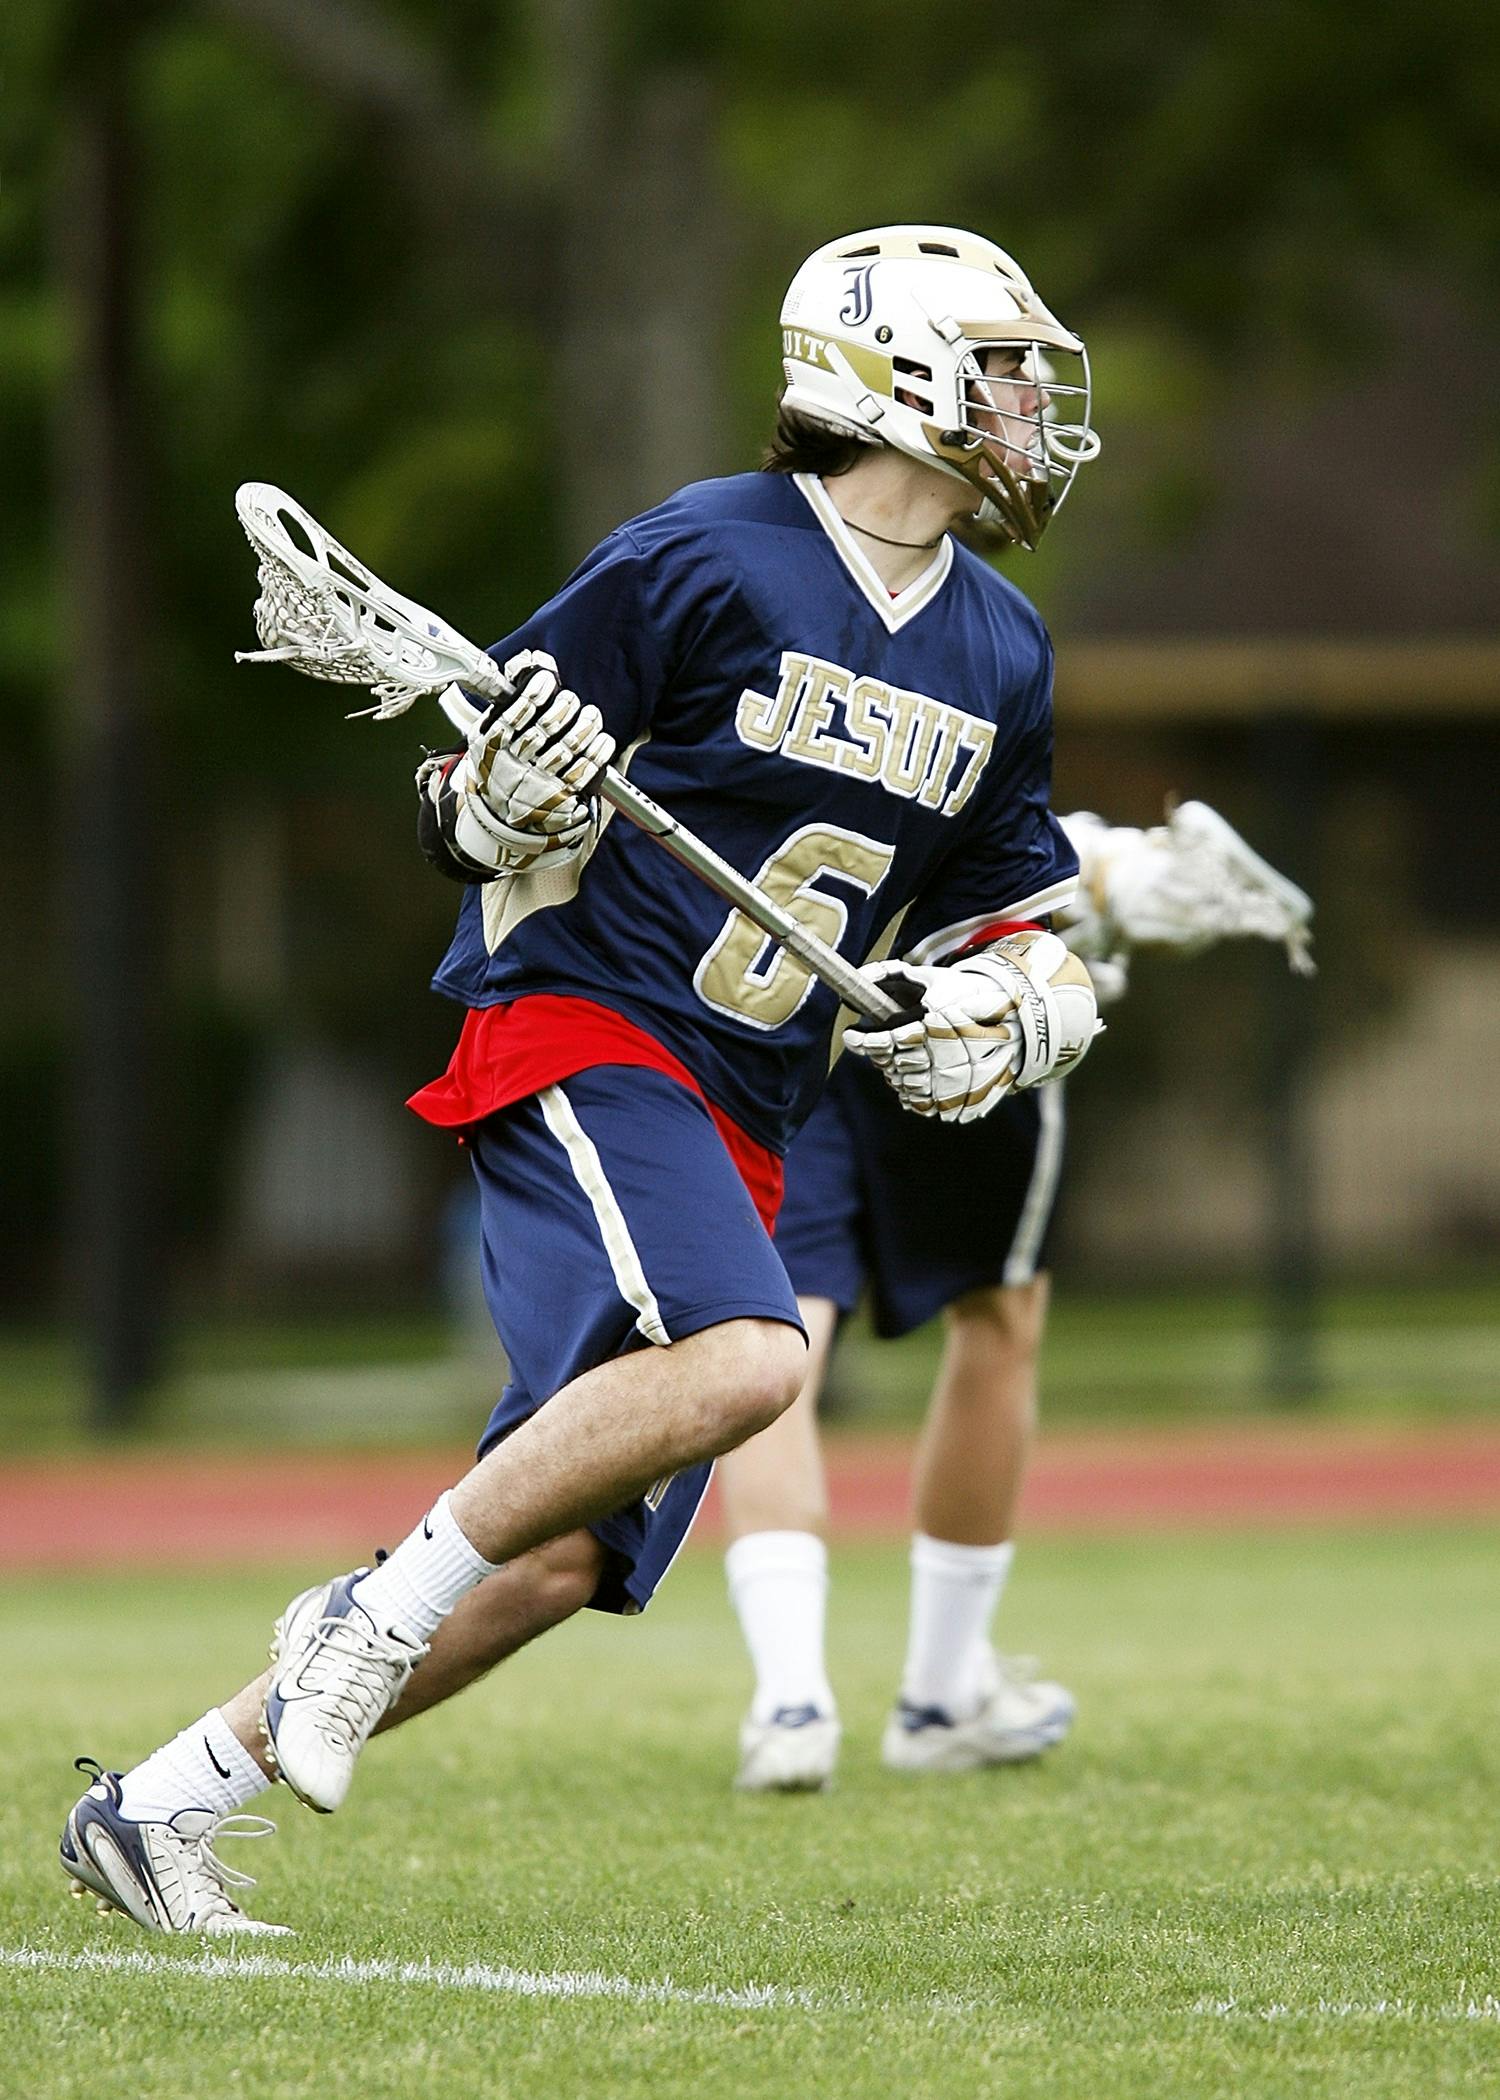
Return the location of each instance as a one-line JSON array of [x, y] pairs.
[[364, 1668], [204, 1880], [233, 1826]]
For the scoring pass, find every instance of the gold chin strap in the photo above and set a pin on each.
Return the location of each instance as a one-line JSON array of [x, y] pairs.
[[1022, 507]]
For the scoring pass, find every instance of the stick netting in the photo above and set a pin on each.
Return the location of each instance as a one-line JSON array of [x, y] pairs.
[[325, 614]]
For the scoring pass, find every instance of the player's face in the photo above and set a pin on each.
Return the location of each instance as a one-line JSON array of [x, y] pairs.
[[1006, 404]]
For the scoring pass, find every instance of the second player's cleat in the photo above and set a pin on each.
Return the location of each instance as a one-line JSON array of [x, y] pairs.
[[1018, 1719], [334, 1674], [166, 1876], [792, 1753]]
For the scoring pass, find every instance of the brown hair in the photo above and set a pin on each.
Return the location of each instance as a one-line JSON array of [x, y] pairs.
[[803, 446]]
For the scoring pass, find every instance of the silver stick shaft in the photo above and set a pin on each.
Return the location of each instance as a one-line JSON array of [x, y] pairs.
[[834, 970], [856, 990]]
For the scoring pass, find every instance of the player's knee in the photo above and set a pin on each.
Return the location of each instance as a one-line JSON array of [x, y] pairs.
[[762, 1366], [779, 1373], [1006, 1319]]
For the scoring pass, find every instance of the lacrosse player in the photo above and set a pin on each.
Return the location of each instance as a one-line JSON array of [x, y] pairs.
[[933, 1220], [839, 698]]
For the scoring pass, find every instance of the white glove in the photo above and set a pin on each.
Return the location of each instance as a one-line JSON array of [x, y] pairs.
[[530, 761], [1184, 884], [516, 798], [461, 835], [1020, 1012]]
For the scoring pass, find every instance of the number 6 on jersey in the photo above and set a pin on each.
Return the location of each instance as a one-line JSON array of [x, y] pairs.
[[747, 977]]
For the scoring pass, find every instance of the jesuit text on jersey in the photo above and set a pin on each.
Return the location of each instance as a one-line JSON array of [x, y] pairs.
[[822, 715]]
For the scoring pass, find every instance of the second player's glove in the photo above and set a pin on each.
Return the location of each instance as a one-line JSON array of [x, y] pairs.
[[1015, 1014]]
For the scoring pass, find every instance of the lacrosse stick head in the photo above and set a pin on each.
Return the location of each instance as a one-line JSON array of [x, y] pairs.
[[324, 613], [1242, 893], [1185, 885]]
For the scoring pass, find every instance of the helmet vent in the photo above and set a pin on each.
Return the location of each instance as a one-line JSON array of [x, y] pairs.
[[846, 253], [937, 248], [910, 369]]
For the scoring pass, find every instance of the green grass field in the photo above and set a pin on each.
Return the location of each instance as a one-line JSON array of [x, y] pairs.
[[1265, 1865]]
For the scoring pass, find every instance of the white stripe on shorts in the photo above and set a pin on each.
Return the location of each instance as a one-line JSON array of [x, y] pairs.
[[588, 1172], [1041, 1190]]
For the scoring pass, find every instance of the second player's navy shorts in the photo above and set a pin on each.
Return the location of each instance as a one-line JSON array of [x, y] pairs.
[[920, 1211], [613, 1218]]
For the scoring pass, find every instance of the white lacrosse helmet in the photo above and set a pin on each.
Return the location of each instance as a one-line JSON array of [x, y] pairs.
[[911, 310]]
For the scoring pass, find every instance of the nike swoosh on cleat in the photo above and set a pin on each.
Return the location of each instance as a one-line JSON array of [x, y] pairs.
[[222, 1770]]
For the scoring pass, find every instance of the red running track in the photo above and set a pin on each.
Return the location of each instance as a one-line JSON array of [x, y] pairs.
[[175, 1509]]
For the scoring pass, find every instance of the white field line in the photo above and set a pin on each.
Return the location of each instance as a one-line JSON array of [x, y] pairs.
[[594, 1983], [1405, 2010], [435, 1975]]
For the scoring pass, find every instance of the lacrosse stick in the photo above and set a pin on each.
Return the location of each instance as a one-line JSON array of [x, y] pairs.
[[1232, 890], [327, 615]]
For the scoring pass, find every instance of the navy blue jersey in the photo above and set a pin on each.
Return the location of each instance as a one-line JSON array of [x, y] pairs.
[[859, 756]]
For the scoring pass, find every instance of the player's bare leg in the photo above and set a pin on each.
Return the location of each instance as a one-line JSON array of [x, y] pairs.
[[604, 1439], [527, 1597], [539, 1589], [971, 1455], [344, 1651], [959, 1707], [775, 1481], [776, 1508], [144, 1843]]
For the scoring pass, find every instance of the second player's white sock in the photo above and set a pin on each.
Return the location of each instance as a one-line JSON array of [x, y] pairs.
[[778, 1584], [954, 1591], [418, 1585], [206, 1766]]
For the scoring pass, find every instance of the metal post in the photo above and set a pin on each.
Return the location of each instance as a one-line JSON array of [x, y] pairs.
[[1289, 759]]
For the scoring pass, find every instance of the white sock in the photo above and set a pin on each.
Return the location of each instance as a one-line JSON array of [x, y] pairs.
[[778, 1584], [418, 1585], [207, 1766], [954, 1591]]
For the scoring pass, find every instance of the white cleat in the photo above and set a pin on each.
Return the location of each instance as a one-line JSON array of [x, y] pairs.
[[1019, 1719], [166, 1876], [792, 1753], [334, 1673]]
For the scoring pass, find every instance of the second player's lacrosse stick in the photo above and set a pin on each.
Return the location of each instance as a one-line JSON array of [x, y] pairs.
[[326, 614]]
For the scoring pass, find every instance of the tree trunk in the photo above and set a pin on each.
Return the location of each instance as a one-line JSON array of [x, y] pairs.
[[644, 272], [105, 822]]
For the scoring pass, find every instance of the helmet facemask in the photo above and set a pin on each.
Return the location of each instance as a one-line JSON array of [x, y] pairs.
[[1021, 434]]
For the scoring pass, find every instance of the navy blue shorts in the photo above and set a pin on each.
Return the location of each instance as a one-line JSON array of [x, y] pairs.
[[920, 1211], [613, 1218]]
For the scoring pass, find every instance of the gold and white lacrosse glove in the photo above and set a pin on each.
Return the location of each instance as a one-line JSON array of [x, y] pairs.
[[1016, 1014], [1184, 884], [518, 795]]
